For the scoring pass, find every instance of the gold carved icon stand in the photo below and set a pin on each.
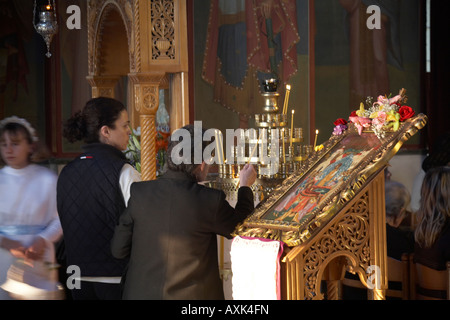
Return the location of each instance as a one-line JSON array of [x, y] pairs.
[[330, 215]]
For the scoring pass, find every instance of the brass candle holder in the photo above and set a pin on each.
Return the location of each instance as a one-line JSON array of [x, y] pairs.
[[282, 140]]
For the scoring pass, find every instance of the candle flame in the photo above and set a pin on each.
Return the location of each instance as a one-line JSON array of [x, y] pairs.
[[288, 87], [48, 7], [317, 131]]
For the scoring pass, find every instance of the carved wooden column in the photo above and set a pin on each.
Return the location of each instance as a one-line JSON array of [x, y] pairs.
[[146, 100], [155, 33], [103, 86], [160, 48]]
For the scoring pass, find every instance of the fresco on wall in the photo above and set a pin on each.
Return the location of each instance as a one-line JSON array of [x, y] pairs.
[[351, 61], [20, 91], [241, 43], [13, 61], [249, 42]]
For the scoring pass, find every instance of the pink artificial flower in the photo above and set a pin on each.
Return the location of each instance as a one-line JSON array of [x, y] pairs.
[[383, 100], [360, 123], [380, 119], [395, 99], [380, 101]]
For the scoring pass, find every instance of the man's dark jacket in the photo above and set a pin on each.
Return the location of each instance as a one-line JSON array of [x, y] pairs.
[[170, 229]]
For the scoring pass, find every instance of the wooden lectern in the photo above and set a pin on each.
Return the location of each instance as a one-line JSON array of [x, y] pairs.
[[330, 216]]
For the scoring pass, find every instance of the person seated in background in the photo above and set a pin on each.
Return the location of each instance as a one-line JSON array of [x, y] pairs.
[[432, 234], [398, 241], [439, 156], [397, 199]]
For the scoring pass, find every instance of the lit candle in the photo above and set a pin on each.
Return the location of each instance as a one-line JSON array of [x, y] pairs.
[[286, 99], [292, 126], [315, 140]]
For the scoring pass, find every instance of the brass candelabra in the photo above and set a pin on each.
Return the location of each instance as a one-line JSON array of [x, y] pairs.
[[281, 149]]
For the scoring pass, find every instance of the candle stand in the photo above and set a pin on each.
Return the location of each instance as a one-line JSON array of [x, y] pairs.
[[281, 150]]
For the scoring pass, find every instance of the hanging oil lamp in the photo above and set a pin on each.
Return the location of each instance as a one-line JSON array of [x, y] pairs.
[[47, 26]]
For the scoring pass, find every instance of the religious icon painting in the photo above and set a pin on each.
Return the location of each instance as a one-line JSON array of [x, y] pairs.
[[325, 183]]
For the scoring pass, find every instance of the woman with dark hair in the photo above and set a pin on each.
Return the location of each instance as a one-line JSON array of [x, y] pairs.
[[92, 192], [29, 223], [432, 233]]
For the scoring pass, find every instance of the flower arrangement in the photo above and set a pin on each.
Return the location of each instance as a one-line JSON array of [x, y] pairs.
[[382, 116], [162, 142], [133, 151]]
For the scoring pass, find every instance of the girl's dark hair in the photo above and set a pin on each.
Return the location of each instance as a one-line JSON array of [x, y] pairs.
[[14, 129], [40, 153], [86, 124]]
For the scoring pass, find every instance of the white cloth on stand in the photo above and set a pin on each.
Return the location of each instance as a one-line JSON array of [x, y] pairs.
[[255, 267]]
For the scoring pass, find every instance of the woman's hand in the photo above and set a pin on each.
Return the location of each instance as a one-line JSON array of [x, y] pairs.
[[14, 247], [36, 250]]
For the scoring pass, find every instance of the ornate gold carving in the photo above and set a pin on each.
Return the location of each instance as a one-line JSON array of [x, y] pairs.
[[102, 86], [136, 39], [163, 29], [146, 91], [102, 92], [347, 242], [98, 11], [137, 14], [150, 99], [348, 236]]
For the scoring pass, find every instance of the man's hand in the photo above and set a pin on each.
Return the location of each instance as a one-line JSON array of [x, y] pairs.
[[247, 176]]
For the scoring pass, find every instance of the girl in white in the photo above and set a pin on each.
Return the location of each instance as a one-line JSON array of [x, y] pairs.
[[29, 223]]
